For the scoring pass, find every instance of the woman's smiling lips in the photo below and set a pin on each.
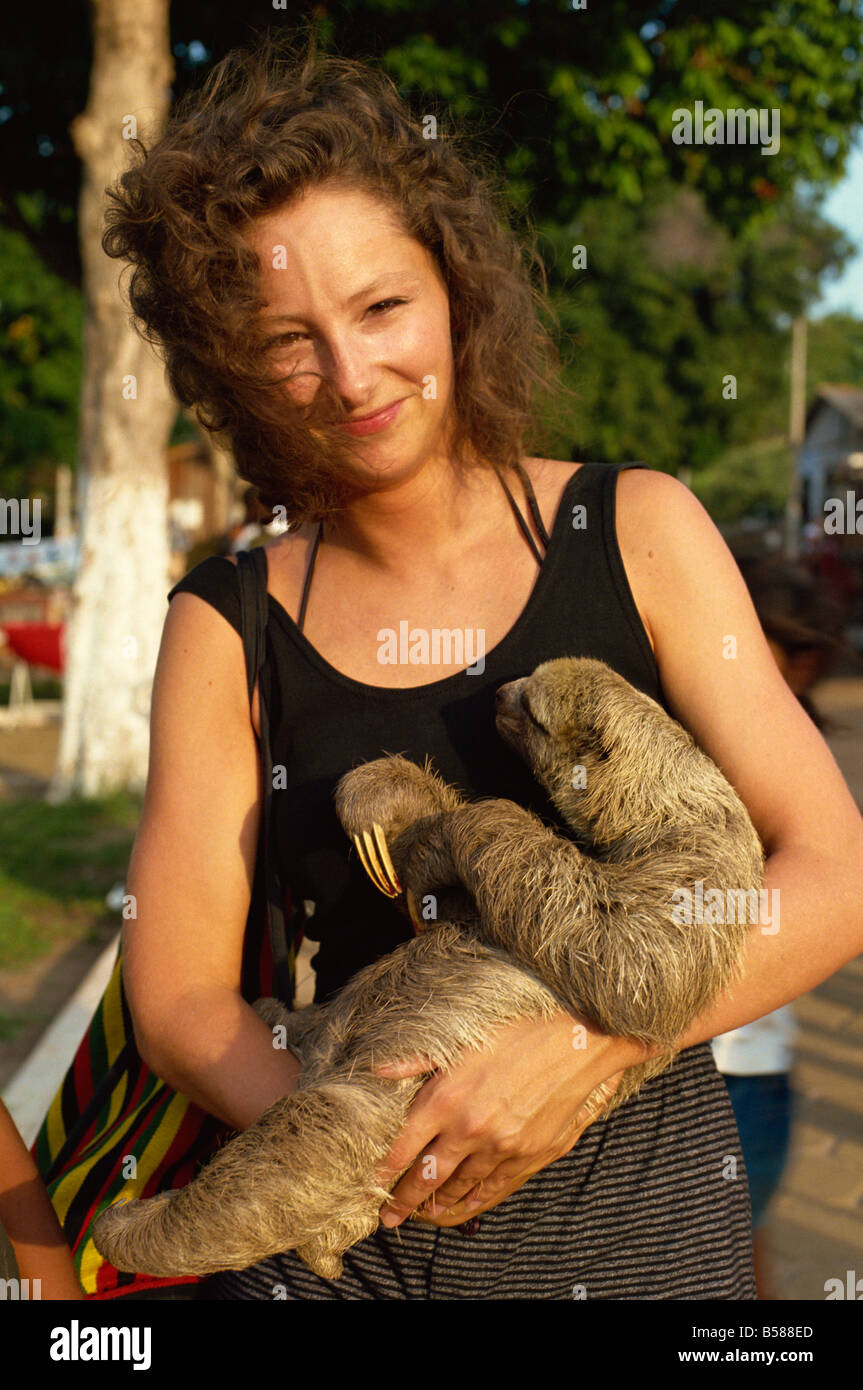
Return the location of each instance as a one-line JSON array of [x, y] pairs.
[[370, 424]]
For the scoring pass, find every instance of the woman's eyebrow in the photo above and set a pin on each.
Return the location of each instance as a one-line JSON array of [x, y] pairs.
[[406, 279]]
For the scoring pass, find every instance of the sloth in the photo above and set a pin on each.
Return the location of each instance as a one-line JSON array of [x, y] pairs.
[[512, 921]]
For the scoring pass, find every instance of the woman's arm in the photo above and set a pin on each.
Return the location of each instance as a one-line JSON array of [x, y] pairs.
[[191, 875], [721, 682]]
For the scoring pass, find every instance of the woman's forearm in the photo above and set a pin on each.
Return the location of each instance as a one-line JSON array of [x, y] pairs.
[[819, 912], [214, 1049]]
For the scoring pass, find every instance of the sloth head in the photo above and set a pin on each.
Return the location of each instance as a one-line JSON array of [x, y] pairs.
[[567, 720]]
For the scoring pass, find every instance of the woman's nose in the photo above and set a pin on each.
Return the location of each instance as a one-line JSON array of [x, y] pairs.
[[347, 365]]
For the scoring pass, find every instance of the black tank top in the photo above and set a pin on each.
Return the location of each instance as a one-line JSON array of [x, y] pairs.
[[322, 722]]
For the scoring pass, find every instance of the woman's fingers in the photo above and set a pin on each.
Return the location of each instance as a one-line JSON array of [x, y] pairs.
[[418, 1132], [482, 1183], [418, 1184], [469, 1189], [438, 1181]]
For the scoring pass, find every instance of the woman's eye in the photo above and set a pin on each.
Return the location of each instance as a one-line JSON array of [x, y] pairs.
[[293, 337], [525, 704], [386, 304]]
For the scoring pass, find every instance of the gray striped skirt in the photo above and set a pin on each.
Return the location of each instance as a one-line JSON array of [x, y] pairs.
[[651, 1204]]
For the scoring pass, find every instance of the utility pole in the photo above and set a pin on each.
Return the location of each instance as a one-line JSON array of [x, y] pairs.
[[796, 432]]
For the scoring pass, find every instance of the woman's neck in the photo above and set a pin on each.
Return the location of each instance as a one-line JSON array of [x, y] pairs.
[[433, 513]]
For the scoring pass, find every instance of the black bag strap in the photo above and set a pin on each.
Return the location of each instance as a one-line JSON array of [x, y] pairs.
[[254, 612]]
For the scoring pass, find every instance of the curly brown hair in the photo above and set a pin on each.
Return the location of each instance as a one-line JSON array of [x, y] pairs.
[[268, 123]]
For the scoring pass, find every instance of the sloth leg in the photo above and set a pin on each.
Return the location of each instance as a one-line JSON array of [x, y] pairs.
[[304, 1171]]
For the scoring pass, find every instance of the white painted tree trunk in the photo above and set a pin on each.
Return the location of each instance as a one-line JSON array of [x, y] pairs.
[[118, 604]]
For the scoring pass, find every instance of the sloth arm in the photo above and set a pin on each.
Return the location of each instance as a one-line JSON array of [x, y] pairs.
[[191, 873], [740, 710]]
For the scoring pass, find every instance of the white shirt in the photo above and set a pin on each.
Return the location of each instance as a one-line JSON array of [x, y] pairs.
[[767, 1045]]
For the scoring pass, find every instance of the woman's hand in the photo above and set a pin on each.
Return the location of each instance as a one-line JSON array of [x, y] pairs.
[[480, 1131]]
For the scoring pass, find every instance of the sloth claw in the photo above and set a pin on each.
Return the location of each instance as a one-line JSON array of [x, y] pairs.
[[414, 911], [391, 875], [375, 859]]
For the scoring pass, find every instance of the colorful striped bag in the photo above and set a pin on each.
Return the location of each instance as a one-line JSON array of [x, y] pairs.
[[111, 1108]]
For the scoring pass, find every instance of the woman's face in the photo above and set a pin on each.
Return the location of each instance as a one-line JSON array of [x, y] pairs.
[[352, 297]]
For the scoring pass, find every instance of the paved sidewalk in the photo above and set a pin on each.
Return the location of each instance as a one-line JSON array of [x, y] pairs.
[[816, 1218], [27, 755], [815, 1222]]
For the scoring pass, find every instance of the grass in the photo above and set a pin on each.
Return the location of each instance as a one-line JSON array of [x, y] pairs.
[[47, 689], [56, 865]]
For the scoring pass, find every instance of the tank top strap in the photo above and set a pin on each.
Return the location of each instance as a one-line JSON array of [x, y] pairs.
[[534, 506], [534, 512]]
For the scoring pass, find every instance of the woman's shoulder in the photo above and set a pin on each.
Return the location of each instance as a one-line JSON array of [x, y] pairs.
[[670, 547], [215, 577], [654, 509], [214, 581], [637, 489], [198, 642]]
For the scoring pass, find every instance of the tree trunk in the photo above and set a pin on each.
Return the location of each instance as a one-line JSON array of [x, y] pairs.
[[118, 600]]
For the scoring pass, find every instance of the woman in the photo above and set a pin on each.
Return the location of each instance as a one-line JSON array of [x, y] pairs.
[[341, 297]]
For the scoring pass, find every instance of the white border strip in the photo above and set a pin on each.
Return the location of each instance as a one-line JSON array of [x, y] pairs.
[[34, 1085]]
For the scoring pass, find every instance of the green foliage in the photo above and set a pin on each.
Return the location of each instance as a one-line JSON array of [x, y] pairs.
[[184, 429], [40, 368], [449, 75], [747, 480], [589, 97], [835, 351], [666, 309]]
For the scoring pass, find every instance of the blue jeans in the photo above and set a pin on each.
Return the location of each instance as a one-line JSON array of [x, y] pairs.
[[762, 1107]]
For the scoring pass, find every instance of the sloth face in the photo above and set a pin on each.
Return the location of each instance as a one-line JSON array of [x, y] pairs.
[[556, 719], [539, 713]]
